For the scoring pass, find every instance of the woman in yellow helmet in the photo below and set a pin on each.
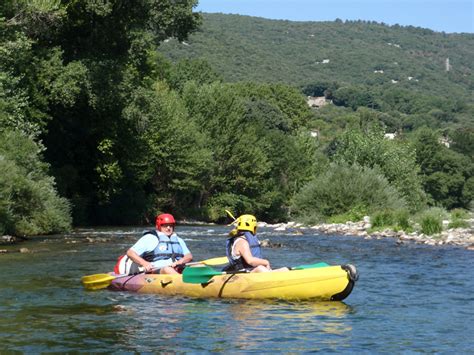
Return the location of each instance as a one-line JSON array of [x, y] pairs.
[[243, 247]]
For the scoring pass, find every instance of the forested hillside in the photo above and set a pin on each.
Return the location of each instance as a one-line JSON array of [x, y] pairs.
[[113, 111], [351, 52], [403, 70]]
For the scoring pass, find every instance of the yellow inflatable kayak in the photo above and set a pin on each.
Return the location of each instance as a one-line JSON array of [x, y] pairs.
[[317, 281]]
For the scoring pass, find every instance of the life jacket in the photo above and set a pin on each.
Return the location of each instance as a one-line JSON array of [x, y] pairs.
[[126, 266], [168, 247], [239, 263]]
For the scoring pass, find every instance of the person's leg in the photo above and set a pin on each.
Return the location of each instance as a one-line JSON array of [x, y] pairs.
[[168, 270], [260, 268]]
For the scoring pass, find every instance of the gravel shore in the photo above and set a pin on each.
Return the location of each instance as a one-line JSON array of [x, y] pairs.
[[462, 237]]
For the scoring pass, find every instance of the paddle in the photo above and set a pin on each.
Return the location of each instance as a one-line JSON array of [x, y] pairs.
[[213, 261], [230, 214], [100, 281], [202, 274]]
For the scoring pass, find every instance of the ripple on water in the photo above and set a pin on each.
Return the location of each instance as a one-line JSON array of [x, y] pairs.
[[410, 298]]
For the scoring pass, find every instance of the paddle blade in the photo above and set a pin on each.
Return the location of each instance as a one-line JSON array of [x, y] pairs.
[[199, 274], [309, 266], [97, 281]]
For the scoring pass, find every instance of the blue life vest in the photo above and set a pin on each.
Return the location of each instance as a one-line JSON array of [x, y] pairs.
[[240, 263], [168, 247]]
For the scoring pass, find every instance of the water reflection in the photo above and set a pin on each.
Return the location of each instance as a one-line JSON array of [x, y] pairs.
[[61, 327], [280, 322], [164, 323]]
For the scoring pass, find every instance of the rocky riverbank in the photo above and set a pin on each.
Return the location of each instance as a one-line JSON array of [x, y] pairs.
[[462, 237]]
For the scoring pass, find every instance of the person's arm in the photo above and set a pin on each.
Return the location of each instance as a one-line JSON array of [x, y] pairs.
[[184, 260], [188, 257], [242, 248], [146, 243], [139, 260]]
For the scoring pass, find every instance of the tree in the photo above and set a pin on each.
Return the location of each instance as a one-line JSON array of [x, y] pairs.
[[239, 164], [355, 97], [169, 153], [29, 203], [196, 70], [463, 141], [396, 160], [260, 158], [74, 66], [287, 99], [444, 171]]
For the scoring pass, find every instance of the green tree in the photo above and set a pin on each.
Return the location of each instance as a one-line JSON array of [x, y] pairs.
[[444, 171], [286, 99], [345, 189], [354, 97], [463, 141], [395, 158], [17, 62], [169, 152], [29, 203], [259, 156], [196, 70], [239, 165], [468, 192], [72, 67]]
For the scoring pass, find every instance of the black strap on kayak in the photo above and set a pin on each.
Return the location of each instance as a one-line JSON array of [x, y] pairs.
[[131, 277], [225, 283]]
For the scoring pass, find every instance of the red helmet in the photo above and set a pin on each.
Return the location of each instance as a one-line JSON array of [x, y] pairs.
[[164, 218]]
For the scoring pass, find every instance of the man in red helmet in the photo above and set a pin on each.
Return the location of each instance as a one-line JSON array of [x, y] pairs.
[[159, 251]]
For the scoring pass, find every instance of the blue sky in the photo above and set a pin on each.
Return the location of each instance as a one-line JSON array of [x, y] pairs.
[[439, 15]]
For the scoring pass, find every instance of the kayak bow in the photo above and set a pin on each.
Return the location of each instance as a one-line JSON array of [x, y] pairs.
[[100, 281]]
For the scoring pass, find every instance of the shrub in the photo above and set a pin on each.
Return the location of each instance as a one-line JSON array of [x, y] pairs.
[[345, 189], [383, 218], [458, 219], [393, 219], [458, 223], [403, 220], [431, 220], [355, 214], [459, 213], [394, 159], [431, 224]]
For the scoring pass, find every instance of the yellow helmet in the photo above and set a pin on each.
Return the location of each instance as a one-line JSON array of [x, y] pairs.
[[247, 222]]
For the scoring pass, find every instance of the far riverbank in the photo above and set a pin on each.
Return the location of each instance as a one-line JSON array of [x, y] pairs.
[[462, 237]]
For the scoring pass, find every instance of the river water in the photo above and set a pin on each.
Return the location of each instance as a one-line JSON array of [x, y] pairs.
[[409, 299]]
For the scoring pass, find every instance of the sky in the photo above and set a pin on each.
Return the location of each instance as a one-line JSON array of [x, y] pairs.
[[450, 16]]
